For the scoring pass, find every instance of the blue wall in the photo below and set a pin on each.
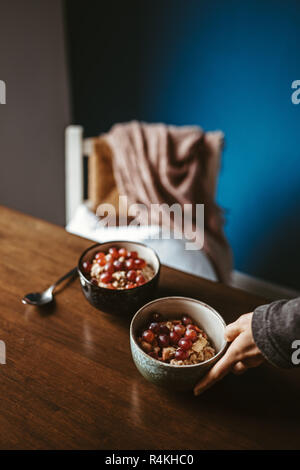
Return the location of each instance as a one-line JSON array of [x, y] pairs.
[[229, 65], [222, 64]]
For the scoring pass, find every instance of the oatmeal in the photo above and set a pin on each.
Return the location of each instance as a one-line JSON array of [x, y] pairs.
[[177, 342], [118, 269]]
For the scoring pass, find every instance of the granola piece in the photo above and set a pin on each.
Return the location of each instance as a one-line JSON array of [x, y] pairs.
[[200, 344], [118, 275], [200, 356], [147, 272], [170, 325], [193, 358], [208, 352], [168, 353], [146, 346], [95, 270], [174, 362]]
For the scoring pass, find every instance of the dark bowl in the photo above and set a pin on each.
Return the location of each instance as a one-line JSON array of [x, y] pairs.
[[119, 301]]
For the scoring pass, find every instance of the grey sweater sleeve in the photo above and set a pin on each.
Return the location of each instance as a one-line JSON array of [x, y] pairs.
[[275, 328]]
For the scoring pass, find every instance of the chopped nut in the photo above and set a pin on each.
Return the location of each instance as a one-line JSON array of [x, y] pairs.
[[168, 353], [208, 352], [193, 357], [95, 270], [200, 356], [119, 275], [170, 325], [174, 362], [146, 346], [199, 344]]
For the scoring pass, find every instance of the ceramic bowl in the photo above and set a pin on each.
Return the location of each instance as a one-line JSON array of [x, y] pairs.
[[119, 301], [171, 308]]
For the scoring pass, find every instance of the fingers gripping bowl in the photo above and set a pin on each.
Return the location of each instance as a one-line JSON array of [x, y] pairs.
[[114, 295], [168, 374]]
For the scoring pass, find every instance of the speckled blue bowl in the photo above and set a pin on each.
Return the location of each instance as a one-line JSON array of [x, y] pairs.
[[171, 308]]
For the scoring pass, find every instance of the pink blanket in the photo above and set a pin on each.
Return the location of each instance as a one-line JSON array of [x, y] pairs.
[[156, 164]]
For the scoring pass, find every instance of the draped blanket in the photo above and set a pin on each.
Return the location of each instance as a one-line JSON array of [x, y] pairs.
[[159, 164]]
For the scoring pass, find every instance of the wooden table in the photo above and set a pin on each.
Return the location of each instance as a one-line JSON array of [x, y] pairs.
[[70, 383]]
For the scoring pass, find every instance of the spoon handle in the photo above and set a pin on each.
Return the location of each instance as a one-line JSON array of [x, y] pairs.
[[73, 272]]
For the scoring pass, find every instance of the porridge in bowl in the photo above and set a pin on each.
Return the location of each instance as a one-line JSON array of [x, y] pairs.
[[118, 269], [177, 342]]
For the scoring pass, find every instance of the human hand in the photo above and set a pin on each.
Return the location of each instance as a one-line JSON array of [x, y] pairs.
[[241, 354]]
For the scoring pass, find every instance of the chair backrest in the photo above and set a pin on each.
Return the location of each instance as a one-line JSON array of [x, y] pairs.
[[101, 183]]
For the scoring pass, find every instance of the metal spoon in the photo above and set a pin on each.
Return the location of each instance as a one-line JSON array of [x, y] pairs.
[[43, 298]]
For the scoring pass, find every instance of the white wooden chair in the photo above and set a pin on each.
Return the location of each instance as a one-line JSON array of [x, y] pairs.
[[75, 149]]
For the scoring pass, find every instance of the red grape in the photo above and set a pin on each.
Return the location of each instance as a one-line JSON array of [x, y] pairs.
[[164, 340], [101, 261], [131, 275], [155, 327], [181, 354], [174, 337], [114, 252], [129, 263], [185, 343], [87, 266], [106, 277], [139, 263], [179, 329], [140, 279], [122, 252], [164, 330], [109, 268], [118, 265], [186, 320], [191, 334], [132, 254], [148, 336], [194, 327]]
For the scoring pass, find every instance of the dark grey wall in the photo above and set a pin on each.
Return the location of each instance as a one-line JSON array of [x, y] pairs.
[[105, 47], [32, 122]]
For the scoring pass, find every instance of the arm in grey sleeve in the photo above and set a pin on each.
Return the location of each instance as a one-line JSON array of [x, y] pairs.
[[275, 327]]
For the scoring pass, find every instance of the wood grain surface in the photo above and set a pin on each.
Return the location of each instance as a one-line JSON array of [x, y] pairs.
[[70, 383]]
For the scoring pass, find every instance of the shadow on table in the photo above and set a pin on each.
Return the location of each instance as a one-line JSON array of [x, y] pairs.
[[266, 392]]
